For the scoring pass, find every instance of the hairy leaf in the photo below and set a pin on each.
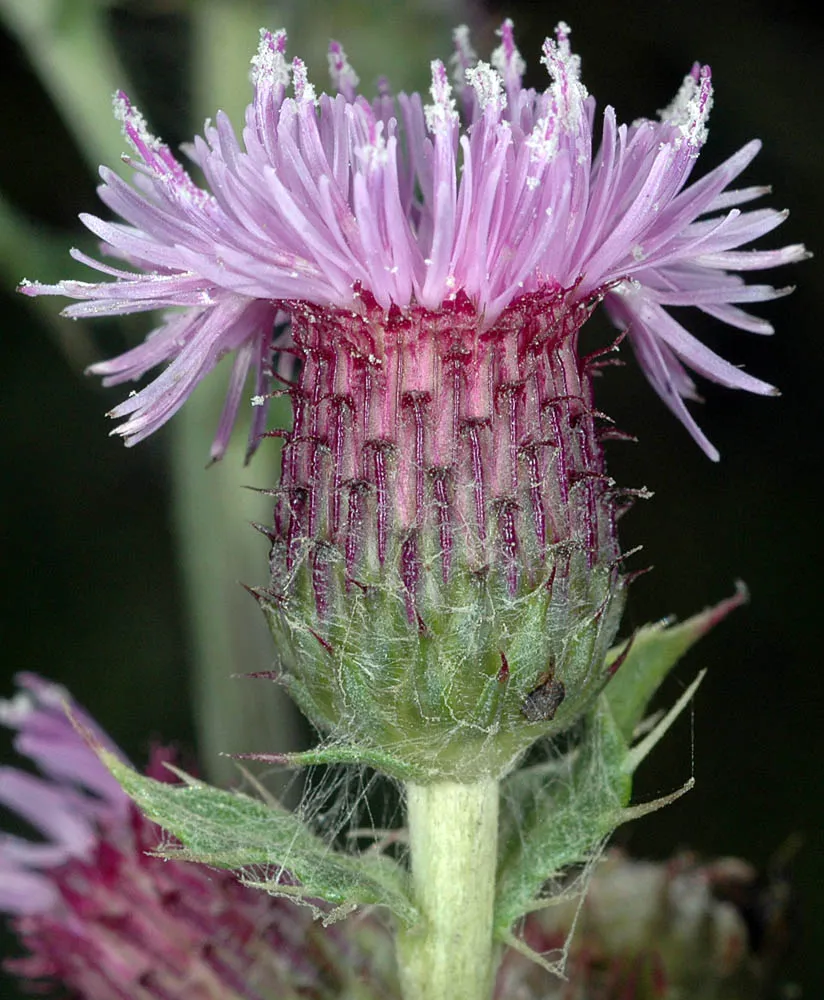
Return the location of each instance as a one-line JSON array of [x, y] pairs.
[[561, 817], [271, 847], [650, 655]]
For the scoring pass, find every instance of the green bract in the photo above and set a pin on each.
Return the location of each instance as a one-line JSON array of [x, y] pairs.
[[458, 694]]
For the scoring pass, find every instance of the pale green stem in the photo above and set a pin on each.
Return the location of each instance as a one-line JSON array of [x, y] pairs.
[[453, 839], [217, 547]]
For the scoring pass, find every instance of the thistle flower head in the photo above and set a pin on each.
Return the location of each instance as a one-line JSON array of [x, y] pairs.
[[100, 917], [445, 569]]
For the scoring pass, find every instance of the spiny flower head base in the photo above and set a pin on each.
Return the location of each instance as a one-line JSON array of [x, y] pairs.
[[445, 573], [492, 189]]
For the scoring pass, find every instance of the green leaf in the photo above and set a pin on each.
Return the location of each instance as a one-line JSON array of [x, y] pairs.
[[641, 750], [650, 655], [559, 815], [235, 831], [344, 753]]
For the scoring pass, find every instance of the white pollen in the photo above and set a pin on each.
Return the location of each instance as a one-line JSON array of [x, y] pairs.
[[463, 57], [376, 153], [543, 140], [690, 108], [441, 113], [130, 118], [344, 78], [567, 92], [506, 58], [258, 400], [269, 65], [304, 90], [488, 86]]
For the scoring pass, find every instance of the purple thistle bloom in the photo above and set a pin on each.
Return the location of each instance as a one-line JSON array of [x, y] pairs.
[[420, 207], [102, 918]]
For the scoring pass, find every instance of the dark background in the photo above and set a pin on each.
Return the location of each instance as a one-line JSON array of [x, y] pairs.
[[90, 584]]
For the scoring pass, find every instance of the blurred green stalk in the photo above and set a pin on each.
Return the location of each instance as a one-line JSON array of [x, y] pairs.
[[212, 510], [69, 47], [217, 551]]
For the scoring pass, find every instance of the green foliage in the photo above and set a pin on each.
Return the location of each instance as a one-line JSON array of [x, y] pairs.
[[653, 651], [557, 819], [346, 753], [270, 847], [560, 813]]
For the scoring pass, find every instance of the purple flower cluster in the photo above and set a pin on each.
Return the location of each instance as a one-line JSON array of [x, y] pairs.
[[490, 191], [102, 918]]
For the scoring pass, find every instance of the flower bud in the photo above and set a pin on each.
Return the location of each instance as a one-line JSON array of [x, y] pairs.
[[654, 930]]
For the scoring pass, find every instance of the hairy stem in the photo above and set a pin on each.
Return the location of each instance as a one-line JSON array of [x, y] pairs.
[[453, 834]]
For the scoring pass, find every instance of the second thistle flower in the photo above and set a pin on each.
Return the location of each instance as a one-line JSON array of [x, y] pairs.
[[446, 575]]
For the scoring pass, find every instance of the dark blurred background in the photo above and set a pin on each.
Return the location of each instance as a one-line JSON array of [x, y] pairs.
[[91, 586]]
